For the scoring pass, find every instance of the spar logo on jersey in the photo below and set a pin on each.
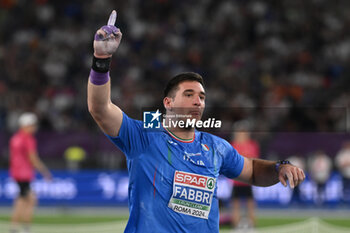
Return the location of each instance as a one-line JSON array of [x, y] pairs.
[[192, 194], [194, 180], [210, 183], [151, 120]]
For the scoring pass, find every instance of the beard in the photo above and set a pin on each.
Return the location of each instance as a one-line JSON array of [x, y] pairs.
[[184, 115]]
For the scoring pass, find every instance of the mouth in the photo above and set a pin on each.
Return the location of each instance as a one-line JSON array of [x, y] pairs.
[[195, 113]]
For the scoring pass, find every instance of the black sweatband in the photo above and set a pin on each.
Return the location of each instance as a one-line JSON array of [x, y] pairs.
[[279, 163], [101, 65]]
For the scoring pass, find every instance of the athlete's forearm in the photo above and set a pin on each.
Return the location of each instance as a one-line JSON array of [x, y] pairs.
[[264, 173], [99, 98], [106, 42], [107, 115]]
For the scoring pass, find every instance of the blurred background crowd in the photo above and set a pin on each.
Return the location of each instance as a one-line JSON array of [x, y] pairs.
[[282, 65]]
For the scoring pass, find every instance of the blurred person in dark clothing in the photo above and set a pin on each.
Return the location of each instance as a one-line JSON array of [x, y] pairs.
[[298, 161], [248, 147], [342, 162]]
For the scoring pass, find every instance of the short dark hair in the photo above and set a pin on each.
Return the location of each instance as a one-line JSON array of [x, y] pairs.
[[173, 84]]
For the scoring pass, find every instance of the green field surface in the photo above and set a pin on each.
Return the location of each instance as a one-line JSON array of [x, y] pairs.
[[70, 219], [79, 219], [60, 220]]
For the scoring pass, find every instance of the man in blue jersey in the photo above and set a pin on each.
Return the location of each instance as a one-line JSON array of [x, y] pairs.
[[173, 171]]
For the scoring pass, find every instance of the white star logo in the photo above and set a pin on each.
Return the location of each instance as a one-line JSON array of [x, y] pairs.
[[156, 115]]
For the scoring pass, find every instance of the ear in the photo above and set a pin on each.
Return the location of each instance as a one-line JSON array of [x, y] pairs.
[[167, 102]]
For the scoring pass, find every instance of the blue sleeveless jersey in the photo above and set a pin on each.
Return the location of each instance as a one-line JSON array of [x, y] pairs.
[[173, 184]]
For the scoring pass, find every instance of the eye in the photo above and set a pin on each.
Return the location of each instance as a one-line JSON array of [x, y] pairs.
[[202, 97], [188, 95]]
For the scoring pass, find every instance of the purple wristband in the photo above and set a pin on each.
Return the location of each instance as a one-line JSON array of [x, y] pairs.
[[98, 78]]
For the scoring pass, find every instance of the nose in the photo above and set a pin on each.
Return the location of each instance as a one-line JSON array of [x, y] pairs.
[[197, 101]]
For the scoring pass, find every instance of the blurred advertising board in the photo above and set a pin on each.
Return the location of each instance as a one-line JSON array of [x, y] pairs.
[[106, 188], [73, 188]]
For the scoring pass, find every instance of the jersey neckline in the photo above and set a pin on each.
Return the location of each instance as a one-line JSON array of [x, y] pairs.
[[179, 139]]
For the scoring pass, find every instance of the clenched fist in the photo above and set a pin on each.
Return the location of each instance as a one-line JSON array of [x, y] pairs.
[[107, 38]]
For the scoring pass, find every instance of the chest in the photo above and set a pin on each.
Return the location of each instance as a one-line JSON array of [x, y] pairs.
[[197, 158]]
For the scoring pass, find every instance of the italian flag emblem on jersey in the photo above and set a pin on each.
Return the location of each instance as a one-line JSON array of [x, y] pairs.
[[205, 147]]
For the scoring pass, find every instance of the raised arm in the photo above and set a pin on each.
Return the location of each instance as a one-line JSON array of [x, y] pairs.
[[106, 114], [265, 173]]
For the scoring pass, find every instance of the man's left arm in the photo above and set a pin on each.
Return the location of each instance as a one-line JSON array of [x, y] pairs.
[[260, 172]]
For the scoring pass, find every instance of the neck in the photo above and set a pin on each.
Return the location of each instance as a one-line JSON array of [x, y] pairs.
[[26, 130], [182, 134], [178, 132], [241, 139]]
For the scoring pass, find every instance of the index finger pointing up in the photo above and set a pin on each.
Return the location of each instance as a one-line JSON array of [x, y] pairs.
[[112, 18]]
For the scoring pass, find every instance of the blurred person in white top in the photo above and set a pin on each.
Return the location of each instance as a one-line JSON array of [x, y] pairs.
[[299, 161], [342, 162], [320, 167]]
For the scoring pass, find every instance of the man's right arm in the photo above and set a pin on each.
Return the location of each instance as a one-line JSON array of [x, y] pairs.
[[107, 115]]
